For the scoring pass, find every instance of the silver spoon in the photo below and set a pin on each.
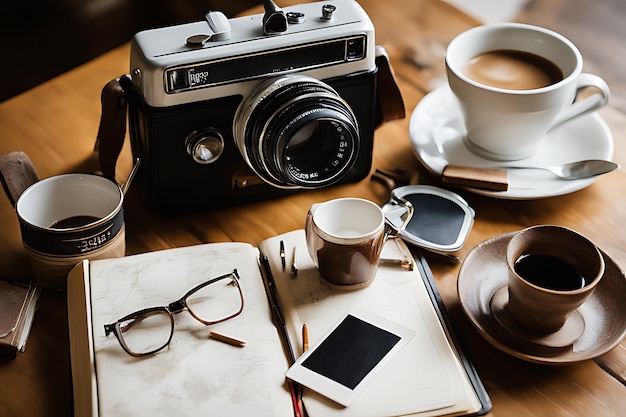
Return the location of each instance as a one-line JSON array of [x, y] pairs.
[[495, 178], [575, 170]]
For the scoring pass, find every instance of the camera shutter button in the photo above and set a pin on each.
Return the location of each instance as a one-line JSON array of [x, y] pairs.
[[205, 145], [327, 11], [295, 17], [219, 30]]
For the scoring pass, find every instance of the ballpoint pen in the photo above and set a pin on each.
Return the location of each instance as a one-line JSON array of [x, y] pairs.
[[282, 254], [305, 347], [279, 322], [294, 264], [305, 338]]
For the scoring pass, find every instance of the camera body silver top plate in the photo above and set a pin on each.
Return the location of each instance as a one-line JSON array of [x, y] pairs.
[[157, 54]]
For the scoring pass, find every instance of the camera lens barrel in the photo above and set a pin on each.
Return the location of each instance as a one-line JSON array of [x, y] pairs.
[[296, 132]]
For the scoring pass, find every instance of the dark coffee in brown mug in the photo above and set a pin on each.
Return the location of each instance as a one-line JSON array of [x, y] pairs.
[[74, 221], [549, 272]]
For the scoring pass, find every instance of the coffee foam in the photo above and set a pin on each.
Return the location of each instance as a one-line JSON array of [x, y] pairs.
[[512, 70]]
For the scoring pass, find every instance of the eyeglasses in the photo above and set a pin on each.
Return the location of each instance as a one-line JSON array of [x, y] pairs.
[[147, 331]]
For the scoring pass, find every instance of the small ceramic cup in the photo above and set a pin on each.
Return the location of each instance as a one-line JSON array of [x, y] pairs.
[[552, 271], [345, 238], [67, 218], [505, 123]]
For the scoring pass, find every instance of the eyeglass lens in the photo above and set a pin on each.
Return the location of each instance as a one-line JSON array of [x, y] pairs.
[[216, 302], [147, 333]]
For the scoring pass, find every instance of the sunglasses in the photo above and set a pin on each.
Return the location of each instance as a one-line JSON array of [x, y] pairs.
[[441, 219]]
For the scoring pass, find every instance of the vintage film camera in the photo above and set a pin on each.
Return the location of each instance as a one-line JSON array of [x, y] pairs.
[[226, 111]]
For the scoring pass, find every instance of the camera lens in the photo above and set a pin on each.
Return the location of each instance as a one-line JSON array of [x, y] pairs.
[[297, 132]]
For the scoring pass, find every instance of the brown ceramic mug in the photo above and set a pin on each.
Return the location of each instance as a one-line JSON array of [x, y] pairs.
[[552, 271], [345, 238], [64, 219]]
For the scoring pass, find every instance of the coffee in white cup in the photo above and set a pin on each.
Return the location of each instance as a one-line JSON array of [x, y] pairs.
[[512, 70]]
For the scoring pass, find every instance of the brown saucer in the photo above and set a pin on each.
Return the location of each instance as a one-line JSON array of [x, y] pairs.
[[570, 332], [484, 272]]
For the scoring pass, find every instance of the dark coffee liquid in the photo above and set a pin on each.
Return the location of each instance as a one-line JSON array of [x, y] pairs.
[[549, 272], [74, 221]]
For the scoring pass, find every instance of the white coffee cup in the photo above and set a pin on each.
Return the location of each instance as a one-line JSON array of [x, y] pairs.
[[508, 124]]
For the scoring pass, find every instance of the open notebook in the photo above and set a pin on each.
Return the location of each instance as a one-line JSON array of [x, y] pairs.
[[198, 375]]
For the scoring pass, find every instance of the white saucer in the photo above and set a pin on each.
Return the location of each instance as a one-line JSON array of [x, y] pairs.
[[436, 130], [599, 326]]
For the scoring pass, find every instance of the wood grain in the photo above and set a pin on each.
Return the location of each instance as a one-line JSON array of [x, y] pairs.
[[56, 123]]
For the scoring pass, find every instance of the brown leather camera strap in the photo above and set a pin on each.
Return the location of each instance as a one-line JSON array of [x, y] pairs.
[[17, 174], [112, 129], [390, 103]]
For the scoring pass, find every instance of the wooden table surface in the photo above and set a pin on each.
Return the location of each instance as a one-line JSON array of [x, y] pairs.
[[56, 123]]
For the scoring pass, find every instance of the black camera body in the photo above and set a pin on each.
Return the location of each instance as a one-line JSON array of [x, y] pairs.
[[223, 113]]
